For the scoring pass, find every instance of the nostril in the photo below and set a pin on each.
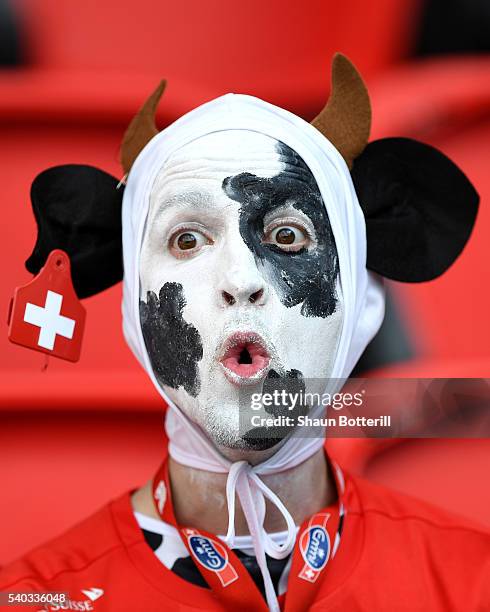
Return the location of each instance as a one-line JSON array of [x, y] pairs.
[[229, 299], [256, 296]]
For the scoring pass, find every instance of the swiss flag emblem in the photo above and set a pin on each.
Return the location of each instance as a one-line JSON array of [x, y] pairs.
[[46, 314]]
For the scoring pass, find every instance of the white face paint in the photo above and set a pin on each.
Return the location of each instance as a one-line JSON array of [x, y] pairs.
[[239, 276]]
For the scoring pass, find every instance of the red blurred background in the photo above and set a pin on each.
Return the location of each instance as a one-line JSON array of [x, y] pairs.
[[73, 74]]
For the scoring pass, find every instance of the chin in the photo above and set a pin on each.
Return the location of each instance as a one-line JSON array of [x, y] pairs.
[[249, 448], [216, 411], [222, 427], [247, 442]]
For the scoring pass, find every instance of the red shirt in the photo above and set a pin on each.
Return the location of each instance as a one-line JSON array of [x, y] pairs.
[[396, 554]]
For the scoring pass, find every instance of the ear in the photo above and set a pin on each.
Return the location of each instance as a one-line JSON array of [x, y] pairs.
[[78, 209], [419, 206]]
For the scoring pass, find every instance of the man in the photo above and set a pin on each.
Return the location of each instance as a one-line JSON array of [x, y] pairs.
[[247, 243]]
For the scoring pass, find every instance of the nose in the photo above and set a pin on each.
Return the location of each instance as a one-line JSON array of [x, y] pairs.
[[242, 297], [242, 285]]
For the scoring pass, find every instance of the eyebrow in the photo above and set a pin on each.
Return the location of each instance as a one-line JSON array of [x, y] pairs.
[[288, 205], [185, 198]]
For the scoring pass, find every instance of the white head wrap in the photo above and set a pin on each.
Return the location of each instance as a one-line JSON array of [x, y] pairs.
[[363, 298]]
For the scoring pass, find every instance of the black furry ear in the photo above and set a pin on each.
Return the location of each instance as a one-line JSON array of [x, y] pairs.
[[78, 210], [419, 206]]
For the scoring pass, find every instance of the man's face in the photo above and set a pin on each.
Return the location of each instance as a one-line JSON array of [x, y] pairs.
[[239, 277]]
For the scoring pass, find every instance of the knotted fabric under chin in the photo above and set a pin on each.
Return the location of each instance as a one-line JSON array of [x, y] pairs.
[[362, 295]]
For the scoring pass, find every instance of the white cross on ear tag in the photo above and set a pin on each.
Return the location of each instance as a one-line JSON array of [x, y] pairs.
[[46, 314], [49, 320]]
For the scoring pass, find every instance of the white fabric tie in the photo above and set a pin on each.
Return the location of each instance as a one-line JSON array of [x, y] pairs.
[[243, 480]]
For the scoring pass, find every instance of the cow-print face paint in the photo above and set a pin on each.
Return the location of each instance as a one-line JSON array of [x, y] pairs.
[[307, 276], [237, 249]]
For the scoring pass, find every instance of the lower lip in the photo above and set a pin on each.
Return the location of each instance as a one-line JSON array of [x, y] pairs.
[[245, 373]]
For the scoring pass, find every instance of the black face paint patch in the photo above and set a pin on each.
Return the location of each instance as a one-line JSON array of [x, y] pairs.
[[292, 384], [174, 346], [304, 277]]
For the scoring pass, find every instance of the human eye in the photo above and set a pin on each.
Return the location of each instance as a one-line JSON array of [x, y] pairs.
[[188, 241], [287, 235]]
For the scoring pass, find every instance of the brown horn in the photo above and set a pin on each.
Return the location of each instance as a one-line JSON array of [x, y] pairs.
[[346, 118], [141, 129]]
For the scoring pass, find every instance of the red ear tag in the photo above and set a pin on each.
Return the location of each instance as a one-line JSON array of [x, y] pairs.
[[46, 314]]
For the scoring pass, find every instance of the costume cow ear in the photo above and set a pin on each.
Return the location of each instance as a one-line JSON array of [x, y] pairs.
[[419, 206], [78, 209]]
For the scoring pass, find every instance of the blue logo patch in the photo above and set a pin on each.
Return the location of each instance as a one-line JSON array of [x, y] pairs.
[[317, 548], [206, 553]]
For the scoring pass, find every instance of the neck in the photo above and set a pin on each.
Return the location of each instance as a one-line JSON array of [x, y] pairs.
[[199, 497]]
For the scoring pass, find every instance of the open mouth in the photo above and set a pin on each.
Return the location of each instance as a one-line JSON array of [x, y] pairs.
[[245, 358]]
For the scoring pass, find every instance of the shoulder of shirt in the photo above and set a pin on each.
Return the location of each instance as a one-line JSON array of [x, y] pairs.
[[391, 506], [72, 551]]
